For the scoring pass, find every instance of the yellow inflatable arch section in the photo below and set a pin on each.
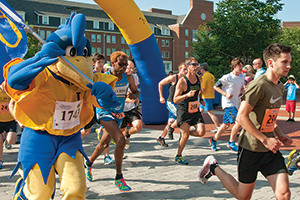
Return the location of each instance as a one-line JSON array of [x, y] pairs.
[[145, 51]]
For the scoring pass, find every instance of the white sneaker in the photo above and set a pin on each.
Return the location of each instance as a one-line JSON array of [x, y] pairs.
[[127, 145], [215, 131], [205, 172]]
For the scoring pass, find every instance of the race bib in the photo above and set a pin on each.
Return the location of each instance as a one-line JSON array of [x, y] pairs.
[[4, 108], [269, 120], [193, 106], [118, 115], [66, 115]]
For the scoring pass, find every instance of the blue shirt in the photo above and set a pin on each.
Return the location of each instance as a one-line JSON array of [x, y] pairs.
[[259, 72], [291, 92]]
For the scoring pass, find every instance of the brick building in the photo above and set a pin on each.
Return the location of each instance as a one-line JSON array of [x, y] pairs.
[[290, 24], [174, 33]]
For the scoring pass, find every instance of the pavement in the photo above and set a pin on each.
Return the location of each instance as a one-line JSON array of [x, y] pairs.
[[153, 174]]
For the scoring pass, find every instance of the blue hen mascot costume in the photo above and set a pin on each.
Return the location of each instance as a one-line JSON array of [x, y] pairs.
[[53, 102]]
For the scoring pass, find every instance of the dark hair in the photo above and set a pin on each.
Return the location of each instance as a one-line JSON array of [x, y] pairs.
[[235, 62], [97, 56], [273, 51], [204, 66]]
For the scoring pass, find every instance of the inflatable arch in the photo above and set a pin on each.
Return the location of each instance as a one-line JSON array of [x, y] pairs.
[[145, 51]]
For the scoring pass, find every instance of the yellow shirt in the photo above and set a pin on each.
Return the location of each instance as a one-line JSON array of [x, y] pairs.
[[208, 82], [5, 115], [51, 105]]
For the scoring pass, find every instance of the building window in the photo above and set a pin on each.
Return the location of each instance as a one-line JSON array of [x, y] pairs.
[[165, 31], [63, 20], [186, 43], [195, 34], [167, 43], [122, 40], [108, 52], [113, 39], [111, 26], [168, 66], [96, 24], [186, 32], [99, 50], [163, 43], [93, 50], [167, 54], [108, 39], [163, 54], [128, 52], [93, 38], [98, 38], [22, 14], [152, 28], [113, 50], [48, 33], [45, 19], [123, 50], [42, 34], [186, 54]]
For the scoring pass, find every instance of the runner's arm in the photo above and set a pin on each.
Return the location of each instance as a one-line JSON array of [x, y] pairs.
[[134, 91], [161, 84]]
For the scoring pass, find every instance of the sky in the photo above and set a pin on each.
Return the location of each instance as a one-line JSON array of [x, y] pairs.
[[181, 7]]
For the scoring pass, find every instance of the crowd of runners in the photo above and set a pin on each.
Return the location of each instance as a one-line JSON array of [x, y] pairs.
[[250, 103]]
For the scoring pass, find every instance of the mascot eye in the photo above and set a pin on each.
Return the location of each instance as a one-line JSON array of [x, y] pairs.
[[85, 52], [71, 51]]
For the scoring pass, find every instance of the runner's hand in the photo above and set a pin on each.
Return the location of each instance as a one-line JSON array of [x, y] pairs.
[[272, 144]]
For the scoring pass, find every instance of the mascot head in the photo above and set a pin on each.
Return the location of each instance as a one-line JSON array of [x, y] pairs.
[[70, 37]]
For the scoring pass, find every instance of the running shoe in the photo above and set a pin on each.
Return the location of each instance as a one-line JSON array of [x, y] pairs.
[[292, 121], [180, 160], [1, 164], [121, 184], [215, 131], [205, 172], [127, 145], [6, 145], [162, 142], [108, 160], [289, 120], [98, 134], [232, 146], [89, 175], [294, 158], [213, 144], [170, 133]]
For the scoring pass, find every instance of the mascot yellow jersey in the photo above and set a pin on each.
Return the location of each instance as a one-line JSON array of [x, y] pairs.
[[62, 111]]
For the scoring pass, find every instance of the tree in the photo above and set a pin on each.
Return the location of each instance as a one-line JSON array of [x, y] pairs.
[[205, 49], [33, 45], [291, 37], [241, 28]]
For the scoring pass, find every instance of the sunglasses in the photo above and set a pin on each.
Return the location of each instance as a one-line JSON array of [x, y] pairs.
[[123, 64], [195, 64]]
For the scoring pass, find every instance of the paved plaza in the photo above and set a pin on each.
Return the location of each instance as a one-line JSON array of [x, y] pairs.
[[152, 172]]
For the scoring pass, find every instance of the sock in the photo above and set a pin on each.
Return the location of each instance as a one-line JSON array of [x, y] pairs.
[[88, 163], [119, 176], [213, 167], [213, 139], [178, 155], [127, 134]]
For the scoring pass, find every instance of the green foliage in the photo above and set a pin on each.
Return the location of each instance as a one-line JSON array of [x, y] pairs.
[[291, 37], [241, 28], [33, 45]]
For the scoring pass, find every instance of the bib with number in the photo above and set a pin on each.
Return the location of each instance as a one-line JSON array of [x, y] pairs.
[[4, 108], [269, 120], [66, 115], [193, 106]]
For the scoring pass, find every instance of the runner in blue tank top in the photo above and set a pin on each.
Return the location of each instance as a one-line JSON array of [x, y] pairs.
[[111, 119]]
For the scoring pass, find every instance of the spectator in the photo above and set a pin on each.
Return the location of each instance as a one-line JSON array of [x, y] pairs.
[[291, 98], [257, 65]]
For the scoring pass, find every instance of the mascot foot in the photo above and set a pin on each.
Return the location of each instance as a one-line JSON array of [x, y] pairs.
[[19, 194]]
